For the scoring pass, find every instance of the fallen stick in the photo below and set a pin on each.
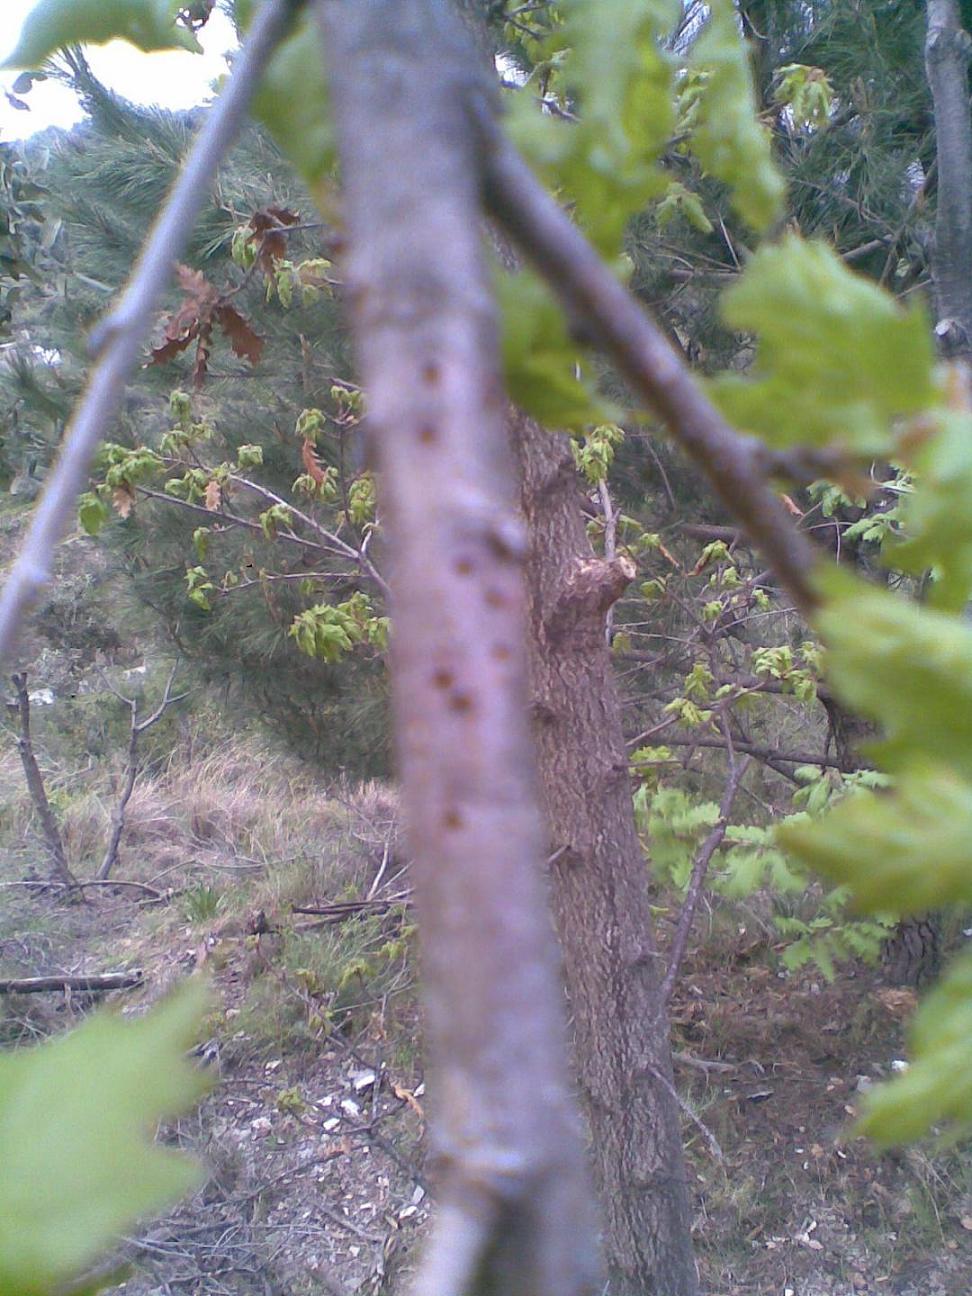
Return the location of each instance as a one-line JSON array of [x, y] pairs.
[[88, 984]]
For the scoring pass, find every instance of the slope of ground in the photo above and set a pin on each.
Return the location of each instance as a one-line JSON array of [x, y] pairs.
[[314, 1133]]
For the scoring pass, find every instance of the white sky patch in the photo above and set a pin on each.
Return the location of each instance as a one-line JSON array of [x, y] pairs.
[[175, 79]]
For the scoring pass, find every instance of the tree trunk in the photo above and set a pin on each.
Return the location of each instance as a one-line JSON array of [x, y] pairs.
[[600, 886], [947, 48], [35, 786]]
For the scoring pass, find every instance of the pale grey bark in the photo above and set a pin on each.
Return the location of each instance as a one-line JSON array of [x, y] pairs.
[[515, 1213], [947, 50]]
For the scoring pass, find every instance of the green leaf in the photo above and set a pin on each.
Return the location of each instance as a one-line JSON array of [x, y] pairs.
[[540, 360], [905, 666], [728, 139], [937, 1087], [249, 456], [623, 82], [79, 1165], [935, 516], [881, 845], [837, 359], [292, 101], [52, 24], [93, 513]]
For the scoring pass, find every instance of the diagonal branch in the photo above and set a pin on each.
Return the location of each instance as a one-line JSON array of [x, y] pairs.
[[117, 341], [733, 463]]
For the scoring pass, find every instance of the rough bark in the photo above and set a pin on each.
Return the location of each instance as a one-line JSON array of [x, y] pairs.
[[36, 788], [600, 887], [514, 1213], [947, 49]]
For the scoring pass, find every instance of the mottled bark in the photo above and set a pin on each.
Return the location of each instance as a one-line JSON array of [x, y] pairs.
[[947, 50], [514, 1213], [600, 887]]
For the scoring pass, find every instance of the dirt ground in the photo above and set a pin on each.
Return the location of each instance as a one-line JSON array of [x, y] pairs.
[[314, 1137]]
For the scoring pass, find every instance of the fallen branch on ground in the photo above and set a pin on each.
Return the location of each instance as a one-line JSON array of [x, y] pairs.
[[96, 984]]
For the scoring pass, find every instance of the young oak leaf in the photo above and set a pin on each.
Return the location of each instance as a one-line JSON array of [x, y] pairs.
[[292, 100], [728, 139], [836, 358], [52, 24], [880, 845], [937, 1087], [907, 667], [76, 1118]]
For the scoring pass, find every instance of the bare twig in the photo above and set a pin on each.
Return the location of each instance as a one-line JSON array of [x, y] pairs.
[[35, 786], [95, 984], [696, 1120], [699, 868], [616, 322], [137, 728], [118, 339]]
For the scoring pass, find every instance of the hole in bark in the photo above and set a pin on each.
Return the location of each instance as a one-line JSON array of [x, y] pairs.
[[495, 598], [461, 703], [501, 652], [452, 819], [430, 373], [427, 434], [464, 567], [443, 679]]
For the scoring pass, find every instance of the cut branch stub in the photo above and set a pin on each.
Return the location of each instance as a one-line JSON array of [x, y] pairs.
[[515, 1214], [594, 587]]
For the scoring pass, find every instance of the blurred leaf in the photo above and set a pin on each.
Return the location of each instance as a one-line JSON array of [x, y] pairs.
[[52, 24], [836, 359], [76, 1118], [937, 1087], [880, 844], [727, 138], [292, 100]]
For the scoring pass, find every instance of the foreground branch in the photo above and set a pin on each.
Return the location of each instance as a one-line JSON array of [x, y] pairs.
[[734, 464], [514, 1212], [117, 341]]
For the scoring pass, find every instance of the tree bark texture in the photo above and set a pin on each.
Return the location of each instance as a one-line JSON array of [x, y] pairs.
[[514, 1215], [600, 887], [947, 50], [36, 788]]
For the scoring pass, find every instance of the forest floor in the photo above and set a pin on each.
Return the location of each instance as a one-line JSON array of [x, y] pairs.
[[313, 1135]]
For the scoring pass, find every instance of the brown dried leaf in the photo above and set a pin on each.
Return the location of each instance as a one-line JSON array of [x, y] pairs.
[[123, 498], [406, 1096], [266, 225], [245, 342], [309, 460], [170, 348], [195, 285], [214, 495]]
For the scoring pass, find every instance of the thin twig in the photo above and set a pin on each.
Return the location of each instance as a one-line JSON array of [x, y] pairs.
[[699, 867], [696, 1120], [118, 339]]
